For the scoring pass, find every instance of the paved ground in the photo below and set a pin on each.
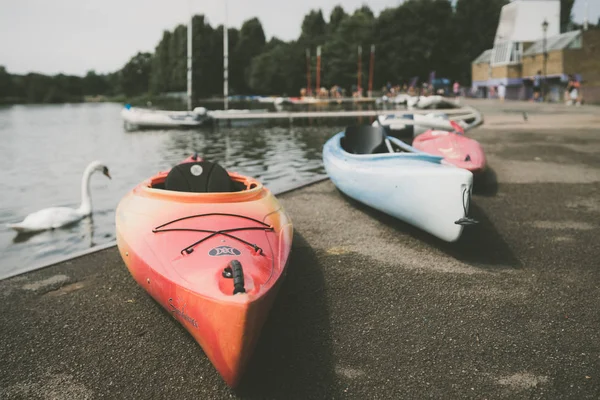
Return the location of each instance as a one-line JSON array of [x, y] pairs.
[[371, 308]]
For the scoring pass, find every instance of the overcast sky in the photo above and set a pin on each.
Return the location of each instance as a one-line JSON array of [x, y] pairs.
[[74, 36]]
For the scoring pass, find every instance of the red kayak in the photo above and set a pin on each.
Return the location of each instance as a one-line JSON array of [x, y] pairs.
[[211, 247], [456, 148]]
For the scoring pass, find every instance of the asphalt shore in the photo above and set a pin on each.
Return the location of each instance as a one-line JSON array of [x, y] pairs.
[[371, 308]]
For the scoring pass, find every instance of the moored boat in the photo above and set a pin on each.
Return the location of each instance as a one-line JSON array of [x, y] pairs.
[[136, 117]]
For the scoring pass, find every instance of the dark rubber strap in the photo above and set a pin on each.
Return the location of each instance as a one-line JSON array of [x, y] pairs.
[[238, 277]]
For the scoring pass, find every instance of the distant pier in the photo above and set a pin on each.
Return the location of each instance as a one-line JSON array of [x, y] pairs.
[[466, 113]]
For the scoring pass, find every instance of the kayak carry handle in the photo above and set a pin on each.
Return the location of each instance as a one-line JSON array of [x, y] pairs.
[[466, 220], [238, 276], [457, 128]]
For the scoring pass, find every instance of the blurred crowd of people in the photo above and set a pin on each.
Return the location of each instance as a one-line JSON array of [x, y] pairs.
[[335, 92], [539, 91], [413, 89], [572, 94], [389, 91]]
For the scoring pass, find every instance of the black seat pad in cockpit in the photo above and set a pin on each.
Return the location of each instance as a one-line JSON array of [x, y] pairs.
[[364, 139], [200, 177]]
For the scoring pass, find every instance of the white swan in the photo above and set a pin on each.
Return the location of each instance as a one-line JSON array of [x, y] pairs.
[[56, 217]]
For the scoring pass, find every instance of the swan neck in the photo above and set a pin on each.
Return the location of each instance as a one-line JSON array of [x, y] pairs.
[[86, 200]]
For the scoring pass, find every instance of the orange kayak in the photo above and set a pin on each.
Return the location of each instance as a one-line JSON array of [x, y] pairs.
[[211, 247]]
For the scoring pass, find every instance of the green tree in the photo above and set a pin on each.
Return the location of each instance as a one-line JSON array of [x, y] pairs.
[[93, 84], [160, 74], [313, 33], [274, 42], [233, 39], [279, 70], [364, 9], [409, 39], [207, 64], [135, 75], [566, 17], [37, 88], [340, 52], [114, 83], [6, 84], [178, 60], [314, 29], [251, 43], [475, 22], [336, 17]]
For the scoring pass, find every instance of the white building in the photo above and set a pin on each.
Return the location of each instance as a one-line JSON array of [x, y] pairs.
[[521, 24]]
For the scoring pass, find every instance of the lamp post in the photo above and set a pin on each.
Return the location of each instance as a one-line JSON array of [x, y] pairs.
[[544, 87], [587, 12], [225, 62], [359, 74]]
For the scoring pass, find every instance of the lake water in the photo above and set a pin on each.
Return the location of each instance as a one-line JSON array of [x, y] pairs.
[[44, 150]]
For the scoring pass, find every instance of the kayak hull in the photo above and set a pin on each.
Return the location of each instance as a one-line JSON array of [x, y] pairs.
[[414, 187], [193, 287], [456, 149]]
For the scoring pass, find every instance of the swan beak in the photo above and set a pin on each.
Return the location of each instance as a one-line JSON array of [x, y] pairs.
[[107, 174]]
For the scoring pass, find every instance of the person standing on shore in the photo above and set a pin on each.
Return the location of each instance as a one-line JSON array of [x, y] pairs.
[[537, 88], [501, 92], [573, 91]]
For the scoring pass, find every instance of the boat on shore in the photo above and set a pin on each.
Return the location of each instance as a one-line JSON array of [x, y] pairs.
[[211, 247], [387, 174], [456, 148]]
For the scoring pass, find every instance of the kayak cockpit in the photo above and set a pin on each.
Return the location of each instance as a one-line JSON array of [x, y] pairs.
[[368, 139], [364, 139], [200, 177], [195, 180]]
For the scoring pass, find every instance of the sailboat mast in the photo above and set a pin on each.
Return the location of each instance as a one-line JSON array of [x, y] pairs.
[[189, 64], [359, 73], [586, 18], [371, 70], [318, 85], [308, 84], [225, 62]]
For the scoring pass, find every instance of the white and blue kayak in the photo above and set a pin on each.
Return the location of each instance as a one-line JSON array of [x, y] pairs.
[[395, 178]]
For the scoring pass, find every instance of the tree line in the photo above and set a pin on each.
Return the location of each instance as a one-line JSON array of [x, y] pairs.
[[411, 40]]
